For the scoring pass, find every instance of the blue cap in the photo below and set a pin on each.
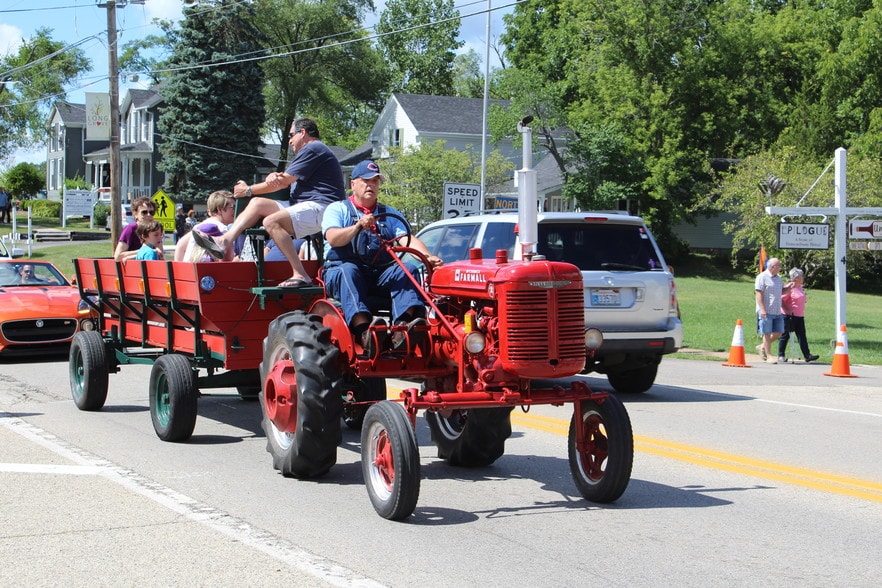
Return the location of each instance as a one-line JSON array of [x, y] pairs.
[[367, 169]]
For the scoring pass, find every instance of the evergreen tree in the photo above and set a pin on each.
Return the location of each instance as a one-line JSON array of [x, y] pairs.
[[213, 108]]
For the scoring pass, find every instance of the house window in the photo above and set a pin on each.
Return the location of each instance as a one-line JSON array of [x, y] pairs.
[[395, 137]]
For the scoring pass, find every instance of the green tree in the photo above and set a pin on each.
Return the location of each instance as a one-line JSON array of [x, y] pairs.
[[415, 178], [24, 180], [324, 67], [211, 123], [419, 40], [739, 192], [32, 79]]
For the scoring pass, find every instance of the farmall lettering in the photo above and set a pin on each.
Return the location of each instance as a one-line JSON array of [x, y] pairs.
[[469, 276]]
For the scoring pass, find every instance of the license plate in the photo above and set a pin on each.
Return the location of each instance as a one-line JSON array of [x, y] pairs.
[[606, 297]]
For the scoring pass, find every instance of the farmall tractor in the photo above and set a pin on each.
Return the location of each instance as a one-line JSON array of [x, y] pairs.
[[495, 328]]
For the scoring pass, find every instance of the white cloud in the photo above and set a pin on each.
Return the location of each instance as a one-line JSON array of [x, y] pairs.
[[10, 39]]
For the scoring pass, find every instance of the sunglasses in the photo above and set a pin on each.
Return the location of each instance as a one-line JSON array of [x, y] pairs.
[[292, 133], [146, 212]]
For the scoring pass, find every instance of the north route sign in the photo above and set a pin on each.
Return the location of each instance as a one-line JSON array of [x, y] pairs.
[[803, 236]]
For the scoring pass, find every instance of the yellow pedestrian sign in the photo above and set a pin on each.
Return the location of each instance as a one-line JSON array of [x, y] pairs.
[[165, 211]]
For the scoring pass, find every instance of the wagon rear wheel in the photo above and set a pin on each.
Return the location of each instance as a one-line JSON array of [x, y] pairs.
[[301, 397], [173, 396], [601, 461], [390, 460], [88, 370]]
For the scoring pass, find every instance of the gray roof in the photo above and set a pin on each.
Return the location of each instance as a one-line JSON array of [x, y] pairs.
[[72, 114], [445, 114], [144, 98]]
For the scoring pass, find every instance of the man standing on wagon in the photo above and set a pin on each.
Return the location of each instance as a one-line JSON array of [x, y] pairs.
[[316, 180]]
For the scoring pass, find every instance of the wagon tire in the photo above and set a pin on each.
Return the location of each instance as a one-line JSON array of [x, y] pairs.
[[173, 397], [301, 399], [88, 370], [390, 460], [471, 438], [602, 468]]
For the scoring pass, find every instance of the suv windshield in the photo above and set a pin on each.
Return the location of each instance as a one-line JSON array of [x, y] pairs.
[[593, 247]]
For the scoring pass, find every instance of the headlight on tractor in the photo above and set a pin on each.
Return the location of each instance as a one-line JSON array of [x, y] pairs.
[[87, 325], [593, 339], [475, 342]]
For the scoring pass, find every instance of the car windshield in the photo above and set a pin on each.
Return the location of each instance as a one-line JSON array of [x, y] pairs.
[[30, 274], [594, 247]]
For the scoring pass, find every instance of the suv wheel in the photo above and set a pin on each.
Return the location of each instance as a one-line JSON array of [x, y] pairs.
[[633, 381]]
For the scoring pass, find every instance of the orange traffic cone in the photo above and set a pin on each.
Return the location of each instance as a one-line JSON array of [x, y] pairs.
[[840, 367], [736, 352]]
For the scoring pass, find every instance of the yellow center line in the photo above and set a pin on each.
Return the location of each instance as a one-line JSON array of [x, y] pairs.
[[729, 462]]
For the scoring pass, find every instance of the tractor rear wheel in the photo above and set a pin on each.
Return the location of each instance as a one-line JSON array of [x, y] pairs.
[[470, 438], [301, 396], [390, 460], [88, 370], [601, 462], [173, 396]]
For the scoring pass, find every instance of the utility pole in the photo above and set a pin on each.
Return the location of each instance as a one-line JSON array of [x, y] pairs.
[[113, 78], [115, 168]]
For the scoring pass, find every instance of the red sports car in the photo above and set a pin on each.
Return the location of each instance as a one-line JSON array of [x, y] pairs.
[[39, 308]]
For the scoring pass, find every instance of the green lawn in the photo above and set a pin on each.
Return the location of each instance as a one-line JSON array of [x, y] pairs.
[[711, 307]]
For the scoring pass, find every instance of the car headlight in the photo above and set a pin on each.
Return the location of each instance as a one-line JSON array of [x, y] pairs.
[[87, 325]]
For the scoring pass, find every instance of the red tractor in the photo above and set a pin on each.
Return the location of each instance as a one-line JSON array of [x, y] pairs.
[[495, 326]]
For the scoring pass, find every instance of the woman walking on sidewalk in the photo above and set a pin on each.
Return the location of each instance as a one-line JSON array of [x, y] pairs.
[[793, 305]]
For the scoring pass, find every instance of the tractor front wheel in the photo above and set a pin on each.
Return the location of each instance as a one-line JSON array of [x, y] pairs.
[[601, 459], [390, 460]]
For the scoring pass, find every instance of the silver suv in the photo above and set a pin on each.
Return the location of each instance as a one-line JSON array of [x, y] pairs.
[[629, 291]]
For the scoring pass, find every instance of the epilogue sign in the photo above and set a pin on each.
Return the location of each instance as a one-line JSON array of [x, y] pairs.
[[803, 236]]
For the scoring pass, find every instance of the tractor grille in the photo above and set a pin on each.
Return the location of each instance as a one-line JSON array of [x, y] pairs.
[[39, 330], [544, 326]]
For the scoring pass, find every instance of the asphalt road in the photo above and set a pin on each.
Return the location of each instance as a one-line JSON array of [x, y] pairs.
[[768, 475]]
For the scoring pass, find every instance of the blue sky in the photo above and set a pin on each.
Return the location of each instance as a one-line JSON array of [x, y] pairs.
[[83, 21]]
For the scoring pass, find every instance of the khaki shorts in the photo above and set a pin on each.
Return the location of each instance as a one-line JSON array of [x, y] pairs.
[[306, 217]]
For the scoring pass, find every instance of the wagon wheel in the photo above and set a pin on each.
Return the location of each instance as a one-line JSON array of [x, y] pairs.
[[88, 370], [470, 438], [370, 389], [601, 462], [173, 394], [301, 397], [390, 460]]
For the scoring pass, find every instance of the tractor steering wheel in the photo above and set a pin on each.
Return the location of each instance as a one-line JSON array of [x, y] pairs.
[[385, 244]]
